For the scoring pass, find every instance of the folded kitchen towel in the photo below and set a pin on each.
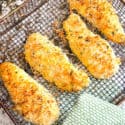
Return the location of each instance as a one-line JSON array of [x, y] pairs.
[[90, 110]]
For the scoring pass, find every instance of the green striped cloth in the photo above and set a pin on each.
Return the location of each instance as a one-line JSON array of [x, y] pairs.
[[90, 110]]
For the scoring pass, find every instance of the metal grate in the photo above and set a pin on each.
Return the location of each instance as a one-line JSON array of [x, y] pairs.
[[18, 14], [12, 47]]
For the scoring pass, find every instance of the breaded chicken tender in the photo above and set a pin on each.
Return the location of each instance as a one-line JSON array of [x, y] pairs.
[[48, 59], [102, 15], [30, 99], [93, 51]]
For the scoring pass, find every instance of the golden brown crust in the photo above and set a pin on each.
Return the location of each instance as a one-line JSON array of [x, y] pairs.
[[31, 99], [102, 15], [93, 51], [53, 64]]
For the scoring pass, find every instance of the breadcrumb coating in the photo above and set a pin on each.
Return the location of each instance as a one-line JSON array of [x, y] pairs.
[[102, 15], [93, 51], [30, 98], [49, 60]]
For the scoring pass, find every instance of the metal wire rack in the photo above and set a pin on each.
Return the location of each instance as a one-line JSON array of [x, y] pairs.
[[41, 20], [18, 14]]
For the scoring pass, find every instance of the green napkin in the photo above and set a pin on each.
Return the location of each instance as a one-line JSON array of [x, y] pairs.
[[90, 110]]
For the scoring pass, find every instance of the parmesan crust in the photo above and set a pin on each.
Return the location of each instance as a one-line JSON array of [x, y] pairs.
[[31, 99], [102, 15], [93, 51], [48, 59]]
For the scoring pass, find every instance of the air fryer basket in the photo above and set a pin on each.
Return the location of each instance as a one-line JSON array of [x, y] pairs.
[[12, 47]]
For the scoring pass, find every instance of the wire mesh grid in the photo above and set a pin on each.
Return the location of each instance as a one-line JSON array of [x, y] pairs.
[[18, 14], [12, 47]]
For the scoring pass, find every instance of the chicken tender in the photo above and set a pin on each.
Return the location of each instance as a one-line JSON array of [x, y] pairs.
[[48, 60], [30, 98], [102, 15], [93, 51]]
